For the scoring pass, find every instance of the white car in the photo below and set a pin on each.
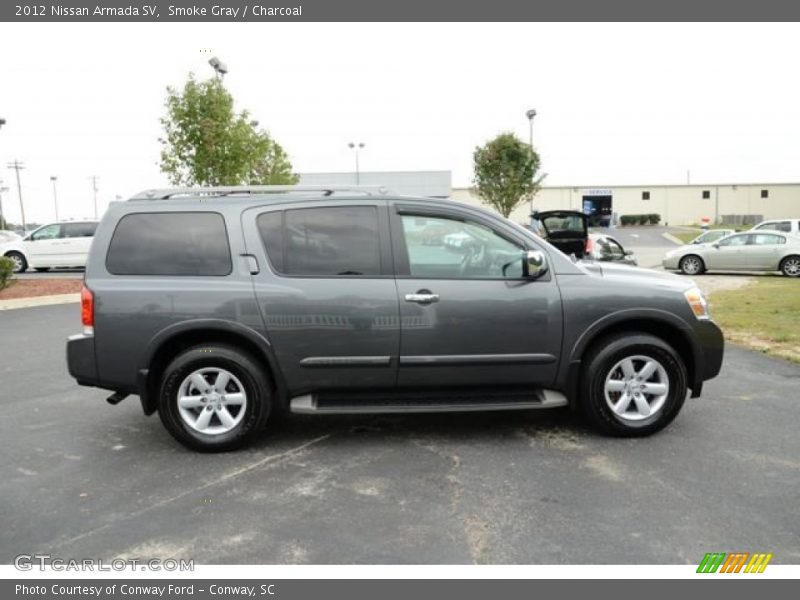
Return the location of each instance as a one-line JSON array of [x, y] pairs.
[[784, 225], [63, 244]]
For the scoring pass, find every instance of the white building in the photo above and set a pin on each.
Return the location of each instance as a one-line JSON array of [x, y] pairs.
[[677, 204], [435, 184]]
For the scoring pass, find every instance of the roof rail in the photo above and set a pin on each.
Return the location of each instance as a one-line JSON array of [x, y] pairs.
[[324, 190]]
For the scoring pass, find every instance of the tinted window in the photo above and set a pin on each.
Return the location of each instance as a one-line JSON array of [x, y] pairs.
[[170, 244], [323, 242], [458, 250], [73, 230]]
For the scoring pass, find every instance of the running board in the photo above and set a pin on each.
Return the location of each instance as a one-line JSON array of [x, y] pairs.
[[358, 404]]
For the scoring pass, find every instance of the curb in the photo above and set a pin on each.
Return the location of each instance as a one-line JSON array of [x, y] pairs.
[[673, 239], [15, 303]]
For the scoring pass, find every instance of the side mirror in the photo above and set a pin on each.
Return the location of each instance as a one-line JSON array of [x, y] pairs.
[[715, 245], [534, 264], [628, 252]]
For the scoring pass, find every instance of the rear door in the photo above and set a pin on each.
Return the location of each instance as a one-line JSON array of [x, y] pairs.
[[77, 241], [468, 316], [567, 230], [326, 292], [764, 251]]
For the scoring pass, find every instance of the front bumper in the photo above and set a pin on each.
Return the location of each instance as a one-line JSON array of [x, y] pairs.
[[670, 262], [81, 362], [711, 346]]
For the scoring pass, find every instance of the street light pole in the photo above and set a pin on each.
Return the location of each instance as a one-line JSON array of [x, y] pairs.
[[3, 222], [357, 147], [531, 114], [94, 190], [220, 68], [53, 178]]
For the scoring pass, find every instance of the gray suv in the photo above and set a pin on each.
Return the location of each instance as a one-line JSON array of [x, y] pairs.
[[224, 308]]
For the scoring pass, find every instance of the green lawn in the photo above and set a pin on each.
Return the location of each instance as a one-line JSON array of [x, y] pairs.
[[764, 316], [686, 236]]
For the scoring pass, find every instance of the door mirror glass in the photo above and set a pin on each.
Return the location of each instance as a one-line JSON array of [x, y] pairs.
[[628, 252], [534, 264]]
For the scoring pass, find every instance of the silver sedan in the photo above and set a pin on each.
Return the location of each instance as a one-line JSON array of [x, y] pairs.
[[749, 251]]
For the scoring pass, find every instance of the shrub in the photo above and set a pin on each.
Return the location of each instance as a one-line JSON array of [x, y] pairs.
[[652, 219], [6, 271], [655, 218]]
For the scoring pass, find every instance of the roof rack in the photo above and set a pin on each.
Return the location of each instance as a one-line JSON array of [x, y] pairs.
[[324, 190]]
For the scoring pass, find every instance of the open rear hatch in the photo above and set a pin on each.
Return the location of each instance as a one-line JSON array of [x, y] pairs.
[[567, 230]]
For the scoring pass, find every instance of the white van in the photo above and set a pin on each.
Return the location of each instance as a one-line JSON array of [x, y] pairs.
[[64, 244]]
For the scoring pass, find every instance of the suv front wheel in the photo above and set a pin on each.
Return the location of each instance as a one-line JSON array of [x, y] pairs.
[[214, 398], [633, 385]]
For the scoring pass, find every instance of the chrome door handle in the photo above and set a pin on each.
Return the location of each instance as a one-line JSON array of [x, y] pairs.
[[422, 298]]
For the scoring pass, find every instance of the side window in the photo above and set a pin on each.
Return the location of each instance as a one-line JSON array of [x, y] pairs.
[[768, 225], [79, 230], [458, 250], [766, 239], [50, 232], [323, 242], [183, 243], [614, 249], [734, 240], [783, 226]]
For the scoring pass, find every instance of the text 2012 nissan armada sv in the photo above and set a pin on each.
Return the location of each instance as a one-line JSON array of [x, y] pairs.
[[222, 307]]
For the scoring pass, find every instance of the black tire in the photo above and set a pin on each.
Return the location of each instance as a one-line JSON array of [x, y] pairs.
[[790, 266], [249, 372], [19, 259], [602, 360], [686, 263], [42, 269]]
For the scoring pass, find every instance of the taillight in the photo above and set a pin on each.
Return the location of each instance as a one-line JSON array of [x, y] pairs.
[[589, 246], [87, 310]]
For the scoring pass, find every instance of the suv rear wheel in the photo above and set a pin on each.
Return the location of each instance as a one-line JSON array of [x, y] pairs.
[[633, 385], [214, 398]]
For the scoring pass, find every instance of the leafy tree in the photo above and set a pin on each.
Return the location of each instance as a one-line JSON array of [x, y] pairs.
[[506, 170], [207, 143]]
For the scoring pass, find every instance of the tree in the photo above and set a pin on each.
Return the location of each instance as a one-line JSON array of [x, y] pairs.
[[207, 143], [506, 170]]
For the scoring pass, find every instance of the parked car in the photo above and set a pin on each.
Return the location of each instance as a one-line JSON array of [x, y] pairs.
[[762, 251], [712, 235], [784, 225], [8, 236], [64, 244], [567, 230], [220, 309], [606, 248]]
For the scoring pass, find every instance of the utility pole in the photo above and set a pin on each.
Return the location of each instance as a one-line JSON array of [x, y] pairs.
[[94, 179], [18, 166], [53, 178]]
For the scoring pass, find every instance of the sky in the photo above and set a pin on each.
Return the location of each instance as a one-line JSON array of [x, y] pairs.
[[616, 103]]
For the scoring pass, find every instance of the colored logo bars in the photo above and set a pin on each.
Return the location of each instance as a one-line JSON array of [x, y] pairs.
[[734, 562]]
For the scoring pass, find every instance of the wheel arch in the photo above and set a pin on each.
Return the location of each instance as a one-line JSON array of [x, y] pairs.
[[173, 340], [664, 325]]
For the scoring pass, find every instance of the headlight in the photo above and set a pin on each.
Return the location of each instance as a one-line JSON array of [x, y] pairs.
[[697, 302]]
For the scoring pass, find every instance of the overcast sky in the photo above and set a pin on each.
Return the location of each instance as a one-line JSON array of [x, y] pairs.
[[617, 104]]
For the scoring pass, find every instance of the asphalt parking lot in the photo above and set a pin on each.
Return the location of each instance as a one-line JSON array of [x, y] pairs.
[[81, 478]]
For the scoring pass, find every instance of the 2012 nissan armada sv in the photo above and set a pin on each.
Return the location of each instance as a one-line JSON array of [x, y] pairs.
[[224, 307]]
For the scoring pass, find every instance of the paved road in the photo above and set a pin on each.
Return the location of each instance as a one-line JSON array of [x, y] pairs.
[[52, 274], [82, 478], [648, 243]]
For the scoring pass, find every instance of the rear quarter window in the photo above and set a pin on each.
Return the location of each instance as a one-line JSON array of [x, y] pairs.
[[185, 243]]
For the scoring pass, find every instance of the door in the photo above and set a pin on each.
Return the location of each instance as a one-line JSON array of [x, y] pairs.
[[326, 293], [45, 247], [77, 241], [468, 315], [765, 251], [728, 253]]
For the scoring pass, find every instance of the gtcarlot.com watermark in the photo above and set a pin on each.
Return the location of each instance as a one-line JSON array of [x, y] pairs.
[[47, 562]]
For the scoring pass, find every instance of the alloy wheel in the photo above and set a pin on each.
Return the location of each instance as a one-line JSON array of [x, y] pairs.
[[212, 401], [636, 388]]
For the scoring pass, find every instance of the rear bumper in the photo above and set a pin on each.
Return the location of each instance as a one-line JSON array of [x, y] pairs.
[[81, 362]]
